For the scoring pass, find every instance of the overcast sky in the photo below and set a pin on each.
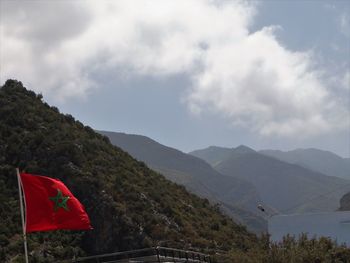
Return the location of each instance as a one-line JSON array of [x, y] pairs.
[[189, 74]]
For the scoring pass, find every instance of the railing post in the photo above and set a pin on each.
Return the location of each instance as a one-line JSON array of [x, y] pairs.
[[157, 250]]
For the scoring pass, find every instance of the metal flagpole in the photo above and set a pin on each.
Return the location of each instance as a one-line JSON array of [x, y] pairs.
[[22, 215]]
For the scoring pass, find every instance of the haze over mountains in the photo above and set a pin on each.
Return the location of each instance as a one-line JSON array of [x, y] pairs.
[[238, 198], [289, 188], [281, 186], [321, 161]]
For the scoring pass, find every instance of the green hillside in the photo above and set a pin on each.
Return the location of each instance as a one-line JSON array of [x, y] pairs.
[[130, 206]]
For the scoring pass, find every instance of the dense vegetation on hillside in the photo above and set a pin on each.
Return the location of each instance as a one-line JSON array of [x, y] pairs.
[[130, 206]]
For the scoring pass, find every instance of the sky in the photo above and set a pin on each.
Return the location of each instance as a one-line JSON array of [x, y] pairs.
[[189, 74]]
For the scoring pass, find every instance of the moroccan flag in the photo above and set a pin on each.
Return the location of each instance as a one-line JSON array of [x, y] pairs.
[[51, 206]]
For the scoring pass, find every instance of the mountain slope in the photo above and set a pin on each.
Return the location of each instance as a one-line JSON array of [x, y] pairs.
[[287, 187], [345, 202], [215, 155], [236, 197], [320, 161], [129, 205]]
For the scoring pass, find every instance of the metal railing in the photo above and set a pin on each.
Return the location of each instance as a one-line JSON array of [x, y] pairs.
[[149, 255]]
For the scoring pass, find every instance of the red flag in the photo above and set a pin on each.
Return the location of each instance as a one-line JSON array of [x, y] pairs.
[[51, 206]]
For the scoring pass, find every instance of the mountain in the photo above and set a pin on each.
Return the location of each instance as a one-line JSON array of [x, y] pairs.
[[237, 197], [321, 161], [130, 206], [215, 155], [289, 188], [345, 202]]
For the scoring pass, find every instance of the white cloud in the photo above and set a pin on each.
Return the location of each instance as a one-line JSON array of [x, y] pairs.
[[33, 36], [346, 81], [248, 77], [344, 24], [258, 83]]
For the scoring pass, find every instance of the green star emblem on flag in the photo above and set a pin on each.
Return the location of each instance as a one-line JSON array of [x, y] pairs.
[[60, 201]]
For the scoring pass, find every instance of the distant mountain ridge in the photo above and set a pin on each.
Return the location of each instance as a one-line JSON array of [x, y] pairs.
[[237, 197], [318, 160], [290, 188], [214, 154]]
